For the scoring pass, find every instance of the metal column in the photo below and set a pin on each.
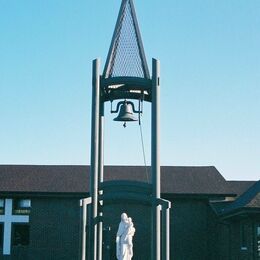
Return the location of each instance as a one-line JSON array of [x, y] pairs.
[[166, 230], [94, 160], [155, 161], [167, 234], [100, 178]]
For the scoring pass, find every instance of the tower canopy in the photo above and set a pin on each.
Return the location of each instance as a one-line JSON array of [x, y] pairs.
[[126, 57]]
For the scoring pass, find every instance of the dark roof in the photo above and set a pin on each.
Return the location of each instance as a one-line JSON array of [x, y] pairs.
[[75, 179], [219, 206], [248, 200], [28, 178], [239, 187]]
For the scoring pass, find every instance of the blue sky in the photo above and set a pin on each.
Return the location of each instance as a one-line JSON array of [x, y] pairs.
[[210, 93]]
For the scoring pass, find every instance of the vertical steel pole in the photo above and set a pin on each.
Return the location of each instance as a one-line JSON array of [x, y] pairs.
[[100, 178], [84, 224], [167, 235], [155, 160], [94, 159], [86, 230], [166, 231], [163, 230]]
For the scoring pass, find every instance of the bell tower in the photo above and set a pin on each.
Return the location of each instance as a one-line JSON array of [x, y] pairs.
[[126, 77]]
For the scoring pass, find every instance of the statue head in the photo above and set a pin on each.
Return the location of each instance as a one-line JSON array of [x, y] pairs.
[[130, 220], [124, 217]]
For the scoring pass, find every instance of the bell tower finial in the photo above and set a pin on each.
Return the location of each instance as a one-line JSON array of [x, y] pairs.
[[126, 57]]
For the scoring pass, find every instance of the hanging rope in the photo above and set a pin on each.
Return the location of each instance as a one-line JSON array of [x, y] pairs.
[[142, 141]]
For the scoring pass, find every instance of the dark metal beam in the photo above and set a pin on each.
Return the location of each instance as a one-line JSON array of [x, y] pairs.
[[100, 178], [165, 214], [94, 159], [155, 160]]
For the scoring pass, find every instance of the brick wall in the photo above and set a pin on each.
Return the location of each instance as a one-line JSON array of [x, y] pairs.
[[55, 231], [196, 232], [189, 227], [239, 250]]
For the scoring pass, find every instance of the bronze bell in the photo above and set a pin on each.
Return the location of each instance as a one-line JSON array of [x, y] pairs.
[[126, 113]]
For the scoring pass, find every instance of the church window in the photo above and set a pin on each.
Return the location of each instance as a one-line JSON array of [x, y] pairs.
[[243, 236], [2, 205], [258, 240], [21, 235], [10, 221], [1, 235], [21, 206], [24, 203]]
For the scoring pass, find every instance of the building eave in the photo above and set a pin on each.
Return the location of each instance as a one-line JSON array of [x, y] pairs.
[[240, 212], [41, 194]]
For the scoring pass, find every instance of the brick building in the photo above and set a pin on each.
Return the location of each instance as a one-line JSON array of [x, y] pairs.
[[41, 213]]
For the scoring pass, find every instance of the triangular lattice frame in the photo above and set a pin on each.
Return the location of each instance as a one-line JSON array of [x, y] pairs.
[[126, 57]]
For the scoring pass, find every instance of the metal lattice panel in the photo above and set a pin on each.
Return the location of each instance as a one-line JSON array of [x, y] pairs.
[[126, 56]]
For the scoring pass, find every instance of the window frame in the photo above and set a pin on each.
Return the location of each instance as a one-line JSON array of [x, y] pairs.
[[1, 235], [257, 240], [243, 237], [2, 209], [17, 210], [13, 234]]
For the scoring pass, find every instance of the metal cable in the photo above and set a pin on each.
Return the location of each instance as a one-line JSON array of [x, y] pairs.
[[142, 141]]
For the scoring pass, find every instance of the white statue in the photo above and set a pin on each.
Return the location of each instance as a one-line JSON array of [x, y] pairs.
[[124, 238]]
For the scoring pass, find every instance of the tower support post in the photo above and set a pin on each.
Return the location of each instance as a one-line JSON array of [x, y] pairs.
[[165, 215], [155, 161], [94, 160], [100, 178]]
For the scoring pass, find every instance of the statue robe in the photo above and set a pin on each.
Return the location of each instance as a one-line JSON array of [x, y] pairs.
[[122, 247]]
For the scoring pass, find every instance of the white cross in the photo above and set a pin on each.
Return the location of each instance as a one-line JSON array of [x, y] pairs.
[[8, 219]]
